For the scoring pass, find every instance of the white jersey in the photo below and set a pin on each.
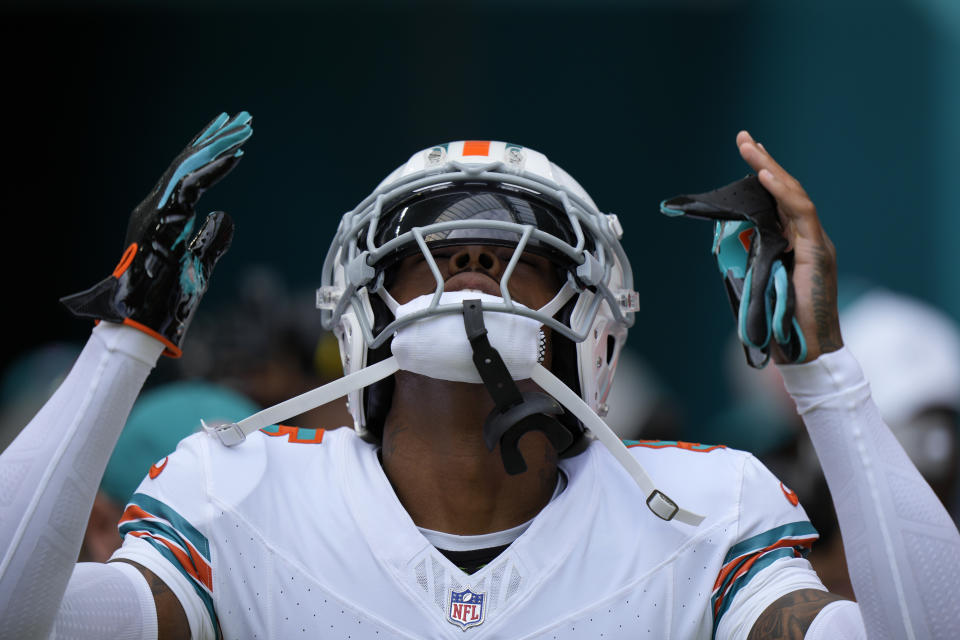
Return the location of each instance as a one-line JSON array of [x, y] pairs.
[[298, 533]]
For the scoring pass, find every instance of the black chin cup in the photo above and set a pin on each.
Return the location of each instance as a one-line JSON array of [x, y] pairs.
[[515, 413], [534, 413]]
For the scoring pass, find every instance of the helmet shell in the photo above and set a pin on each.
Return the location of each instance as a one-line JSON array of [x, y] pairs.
[[594, 309]]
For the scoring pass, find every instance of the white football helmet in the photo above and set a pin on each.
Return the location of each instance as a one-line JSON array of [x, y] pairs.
[[480, 193]]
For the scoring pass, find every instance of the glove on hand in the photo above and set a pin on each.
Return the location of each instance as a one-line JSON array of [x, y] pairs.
[[750, 249], [164, 271]]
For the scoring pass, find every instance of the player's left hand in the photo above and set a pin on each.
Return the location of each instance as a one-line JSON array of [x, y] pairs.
[[815, 258]]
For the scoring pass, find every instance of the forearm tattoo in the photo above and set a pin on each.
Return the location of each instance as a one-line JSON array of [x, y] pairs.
[[791, 616], [824, 299]]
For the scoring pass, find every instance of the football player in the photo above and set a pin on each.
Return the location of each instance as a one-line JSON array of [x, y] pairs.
[[481, 300]]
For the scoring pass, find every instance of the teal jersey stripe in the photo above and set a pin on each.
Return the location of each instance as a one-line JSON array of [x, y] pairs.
[[762, 563], [183, 527], [761, 541], [204, 596], [159, 528], [306, 434]]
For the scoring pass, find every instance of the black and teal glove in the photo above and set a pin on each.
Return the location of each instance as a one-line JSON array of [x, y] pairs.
[[166, 267], [751, 252]]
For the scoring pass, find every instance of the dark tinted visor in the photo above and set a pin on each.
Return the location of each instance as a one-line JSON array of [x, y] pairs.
[[476, 202]]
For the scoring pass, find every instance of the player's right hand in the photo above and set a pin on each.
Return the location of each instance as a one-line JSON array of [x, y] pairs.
[[165, 268]]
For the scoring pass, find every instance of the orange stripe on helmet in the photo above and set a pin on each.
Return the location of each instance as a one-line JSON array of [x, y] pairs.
[[476, 148]]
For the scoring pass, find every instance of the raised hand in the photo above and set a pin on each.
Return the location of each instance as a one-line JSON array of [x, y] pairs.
[[815, 258], [165, 268]]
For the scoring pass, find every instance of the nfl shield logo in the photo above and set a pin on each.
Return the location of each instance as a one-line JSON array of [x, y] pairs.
[[466, 609]]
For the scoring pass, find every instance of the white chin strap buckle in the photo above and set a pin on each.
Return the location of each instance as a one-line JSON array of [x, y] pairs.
[[228, 433], [661, 505]]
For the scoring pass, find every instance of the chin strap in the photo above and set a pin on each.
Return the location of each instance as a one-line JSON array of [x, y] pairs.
[[660, 504], [233, 433], [516, 413]]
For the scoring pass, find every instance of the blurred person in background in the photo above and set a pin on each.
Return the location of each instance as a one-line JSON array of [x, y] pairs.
[[161, 417], [640, 406], [910, 354], [267, 345]]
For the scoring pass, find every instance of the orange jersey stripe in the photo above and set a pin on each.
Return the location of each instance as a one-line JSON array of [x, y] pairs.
[[740, 570], [133, 512], [192, 564]]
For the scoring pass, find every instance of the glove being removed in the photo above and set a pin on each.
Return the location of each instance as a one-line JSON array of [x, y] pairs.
[[751, 252]]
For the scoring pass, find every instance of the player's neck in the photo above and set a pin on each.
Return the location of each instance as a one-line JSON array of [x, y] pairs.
[[434, 455]]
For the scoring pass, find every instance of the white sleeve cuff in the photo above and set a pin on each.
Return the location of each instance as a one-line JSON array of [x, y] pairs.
[[834, 379], [141, 552], [837, 621], [133, 342], [106, 601]]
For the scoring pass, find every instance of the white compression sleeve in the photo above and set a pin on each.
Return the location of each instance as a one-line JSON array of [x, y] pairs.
[[50, 474], [902, 547], [106, 601]]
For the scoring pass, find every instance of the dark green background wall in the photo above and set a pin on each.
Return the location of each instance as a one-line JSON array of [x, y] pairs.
[[639, 101]]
